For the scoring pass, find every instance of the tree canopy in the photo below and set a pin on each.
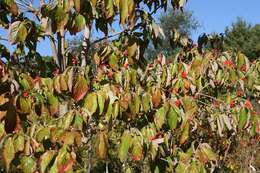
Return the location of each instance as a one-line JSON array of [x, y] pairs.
[[243, 37]]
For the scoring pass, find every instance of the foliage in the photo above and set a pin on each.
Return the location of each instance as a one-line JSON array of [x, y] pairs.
[[57, 19], [193, 112], [117, 113], [243, 37]]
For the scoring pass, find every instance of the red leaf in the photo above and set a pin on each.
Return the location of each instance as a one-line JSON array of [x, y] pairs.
[[80, 88], [66, 166]]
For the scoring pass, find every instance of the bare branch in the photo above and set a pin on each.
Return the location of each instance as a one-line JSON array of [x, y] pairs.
[[3, 39], [110, 36]]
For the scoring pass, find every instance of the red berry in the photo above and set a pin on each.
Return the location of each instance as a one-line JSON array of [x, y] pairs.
[[239, 93], [110, 74], [243, 68], [232, 104], [184, 75], [125, 53], [229, 63], [74, 61], [136, 158], [56, 72], [25, 94], [248, 104], [178, 103], [126, 65], [37, 79]]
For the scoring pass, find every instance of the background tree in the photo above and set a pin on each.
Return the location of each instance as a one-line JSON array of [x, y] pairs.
[[244, 37], [182, 21]]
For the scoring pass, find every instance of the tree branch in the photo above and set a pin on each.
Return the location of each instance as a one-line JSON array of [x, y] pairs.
[[54, 49], [3, 39], [107, 37], [85, 45]]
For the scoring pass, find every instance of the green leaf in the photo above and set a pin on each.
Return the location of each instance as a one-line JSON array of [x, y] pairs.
[[8, 153], [66, 120], [26, 81], [123, 7], [79, 24], [78, 121], [242, 118], [102, 145], [24, 105], [53, 104], [101, 97], [146, 102], [43, 134], [207, 151], [45, 160], [185, 133], [90, 103], [135, 105], [109, 8], [77, 5], [60, 17], [137, 151], [182, 168], [28, 164], [18, 142], [159, 118], [2, 130], [172, 118], [63, 162], [115, 109], [113, 62], [126, 142], [131, 49], [17, 32]]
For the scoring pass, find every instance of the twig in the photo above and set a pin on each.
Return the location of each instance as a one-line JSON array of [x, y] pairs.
[[205, 95], [107, 37], [3, 39]]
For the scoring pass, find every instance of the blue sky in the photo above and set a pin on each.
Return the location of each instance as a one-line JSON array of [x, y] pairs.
[[213, 15]]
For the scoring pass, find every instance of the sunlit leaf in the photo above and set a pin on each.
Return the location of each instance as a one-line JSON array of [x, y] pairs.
[[28, 164], [8, 152], [80, 88], [126, 142], [91, 103], [45, 160]]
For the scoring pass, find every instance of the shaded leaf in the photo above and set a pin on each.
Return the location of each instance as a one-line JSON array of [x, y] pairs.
[[172, 118]]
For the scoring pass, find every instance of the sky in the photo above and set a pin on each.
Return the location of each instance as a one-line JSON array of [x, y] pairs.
[[213, 15]]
